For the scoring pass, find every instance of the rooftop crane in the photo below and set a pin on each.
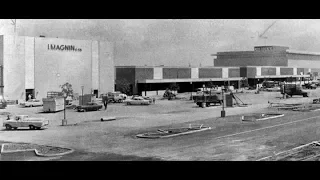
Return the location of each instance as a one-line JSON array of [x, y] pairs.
[[261, 36], [14, 23]]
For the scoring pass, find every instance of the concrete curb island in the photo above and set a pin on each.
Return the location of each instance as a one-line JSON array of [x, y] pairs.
[[35, 151]]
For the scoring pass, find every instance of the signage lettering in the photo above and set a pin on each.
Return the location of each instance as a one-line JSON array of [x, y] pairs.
[[63, 47], [263, 48]]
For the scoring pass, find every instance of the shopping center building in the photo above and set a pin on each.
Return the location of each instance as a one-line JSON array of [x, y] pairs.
[[235, 68], [38, 65]]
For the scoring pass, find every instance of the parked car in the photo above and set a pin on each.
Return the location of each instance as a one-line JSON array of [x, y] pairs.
[[25, 121], [90, 106], [137, 101], [148, 98], [32, 103]]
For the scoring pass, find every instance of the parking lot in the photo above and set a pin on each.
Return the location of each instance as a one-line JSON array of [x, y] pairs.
[[229, 138]]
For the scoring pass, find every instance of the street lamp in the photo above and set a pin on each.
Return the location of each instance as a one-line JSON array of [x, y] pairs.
[[223, 113], [82, 87], [64, 121]]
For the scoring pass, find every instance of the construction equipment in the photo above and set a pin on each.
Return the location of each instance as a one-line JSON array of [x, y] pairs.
[[292, 89], [261, 36], [205, 99], [236, 98]]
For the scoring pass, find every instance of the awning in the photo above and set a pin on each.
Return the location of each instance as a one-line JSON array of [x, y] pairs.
[[188, 80], [281, 76]]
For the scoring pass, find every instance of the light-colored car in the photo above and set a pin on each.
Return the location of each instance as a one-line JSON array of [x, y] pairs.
[[32, 103], [137, 101], [25, 121]]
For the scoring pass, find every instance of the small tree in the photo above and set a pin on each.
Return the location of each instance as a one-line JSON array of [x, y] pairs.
[[174, 87], [67, 89], [123, 86], [209, 84]]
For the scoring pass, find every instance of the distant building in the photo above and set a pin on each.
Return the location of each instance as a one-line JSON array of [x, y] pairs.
[[230, 68], [37, 65]]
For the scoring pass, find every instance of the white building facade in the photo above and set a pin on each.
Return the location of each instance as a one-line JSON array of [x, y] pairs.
[[39, 64]]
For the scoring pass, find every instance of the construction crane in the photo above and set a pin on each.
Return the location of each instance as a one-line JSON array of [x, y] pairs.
[[14, 23], [261, 36]]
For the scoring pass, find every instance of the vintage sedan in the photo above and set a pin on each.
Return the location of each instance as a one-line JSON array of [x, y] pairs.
[[90, 106], [25, 121], [32, 103], [137, 101], [151, 100]]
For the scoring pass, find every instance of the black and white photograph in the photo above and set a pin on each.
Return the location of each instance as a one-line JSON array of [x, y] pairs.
[[159, 89]]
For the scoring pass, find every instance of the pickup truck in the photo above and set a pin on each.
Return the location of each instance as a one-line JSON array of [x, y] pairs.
[[25, 121]]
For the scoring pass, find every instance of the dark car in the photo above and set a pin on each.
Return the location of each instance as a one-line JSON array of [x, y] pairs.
[[90, 106]]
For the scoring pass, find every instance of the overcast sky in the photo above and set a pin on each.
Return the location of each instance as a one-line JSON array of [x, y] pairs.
[[175, 42]]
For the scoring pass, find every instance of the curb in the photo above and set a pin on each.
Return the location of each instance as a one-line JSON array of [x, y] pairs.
[[36, 151], [313, 142], [178, 134], [253, 119]]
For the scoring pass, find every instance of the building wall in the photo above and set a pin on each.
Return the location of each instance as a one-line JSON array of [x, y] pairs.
[[303, 57], [234, 72], [14, 67], [174, 73], [315, 71], [286, 71], [194, 73], [128, 74], [303, 63], [268, 71], [106, 67], [95, 64], [303, 70], [1, 49], [252, 72], [157, 73], [251, 58], [210, 72], [29, 62], [56, 67], [144, 73]]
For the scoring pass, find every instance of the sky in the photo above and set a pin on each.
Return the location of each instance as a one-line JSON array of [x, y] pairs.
[[175, 42]]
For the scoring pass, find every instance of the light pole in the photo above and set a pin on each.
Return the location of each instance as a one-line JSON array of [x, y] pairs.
[[191, 90], [223, 113], [82, 95], [64, 121]]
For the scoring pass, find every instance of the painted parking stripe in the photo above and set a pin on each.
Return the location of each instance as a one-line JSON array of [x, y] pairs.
[[268, 127]]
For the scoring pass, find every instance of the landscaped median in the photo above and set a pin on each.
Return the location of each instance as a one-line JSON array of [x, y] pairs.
[[260, 116], [39, 150], [305, 152]]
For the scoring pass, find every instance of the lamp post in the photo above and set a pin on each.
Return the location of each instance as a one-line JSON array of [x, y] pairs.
[[82, 95], [191, 90], [64, 121], [223, 113]]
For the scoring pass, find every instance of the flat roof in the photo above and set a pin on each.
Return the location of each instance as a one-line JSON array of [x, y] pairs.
[[303, 52]]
